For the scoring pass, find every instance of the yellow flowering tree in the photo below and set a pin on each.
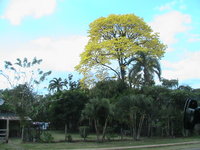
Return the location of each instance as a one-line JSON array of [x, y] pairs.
[[113, 41]]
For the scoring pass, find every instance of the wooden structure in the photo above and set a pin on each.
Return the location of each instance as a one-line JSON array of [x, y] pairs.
[[5, 131], [3, 134]]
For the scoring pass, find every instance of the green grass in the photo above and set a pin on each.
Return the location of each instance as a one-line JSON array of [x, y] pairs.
[[180, 147], [59, 136], [15, 144]]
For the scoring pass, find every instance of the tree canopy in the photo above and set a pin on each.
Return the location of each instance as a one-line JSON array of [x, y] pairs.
[[24, 71], [113, 41]]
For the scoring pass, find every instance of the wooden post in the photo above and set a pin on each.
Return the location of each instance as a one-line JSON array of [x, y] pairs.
[[22, 137], [65, 131], [7, 130]]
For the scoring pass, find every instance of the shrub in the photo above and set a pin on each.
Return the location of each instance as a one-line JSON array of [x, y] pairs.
[[46, 137], [110, 133], [84, 131], [69, 138]]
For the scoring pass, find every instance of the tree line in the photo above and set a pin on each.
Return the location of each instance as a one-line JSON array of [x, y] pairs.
[[111, 106], [117, 94]]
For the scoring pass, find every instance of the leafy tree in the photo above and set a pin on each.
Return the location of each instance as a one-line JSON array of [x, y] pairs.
[[73, 84], [159, 116], [166, 117], [178, 99], [196, 93], [173, 83], [132, 110], [66, 108], [114, 40], [23, 76], [108, 89], [100, 111], [185, 87], [20, 99], [24, 72], [41, 111]]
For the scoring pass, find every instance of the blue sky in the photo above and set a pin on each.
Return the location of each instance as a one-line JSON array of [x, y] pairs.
[[56, 31]]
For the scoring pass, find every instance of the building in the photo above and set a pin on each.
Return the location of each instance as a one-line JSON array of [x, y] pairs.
[[10, 125]]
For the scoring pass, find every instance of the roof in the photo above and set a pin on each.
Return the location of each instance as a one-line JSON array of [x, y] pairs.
[[11, 116]]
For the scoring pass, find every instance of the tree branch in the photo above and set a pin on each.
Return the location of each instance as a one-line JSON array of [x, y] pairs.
[[108, 67], [7, 78]]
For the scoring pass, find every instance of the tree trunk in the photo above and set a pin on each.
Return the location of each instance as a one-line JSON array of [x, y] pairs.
[[134, 133], [162, 132], [96, 128], [149, 127], [135, 127], [65, 131], [172, 129], [22, 133], [122, 134], [140, 127], [104, 129], [168, 127]]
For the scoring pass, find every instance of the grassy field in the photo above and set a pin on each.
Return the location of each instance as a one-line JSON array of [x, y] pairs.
[[180, 147], [15, 144]]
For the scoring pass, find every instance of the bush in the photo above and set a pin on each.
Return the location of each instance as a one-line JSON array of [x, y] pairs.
[[69, 138], [110, 134], [46, 137], [84, 131]]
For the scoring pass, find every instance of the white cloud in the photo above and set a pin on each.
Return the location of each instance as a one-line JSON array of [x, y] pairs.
[[57, 54], [172, 4], [18, 9], [170, 24], [185, 69], [167, 6]]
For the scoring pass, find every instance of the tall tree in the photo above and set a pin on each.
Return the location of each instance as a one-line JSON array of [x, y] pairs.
[[143, 68], [132, 110], [56, 84], [99, 111], [114, 40], [21, 99], [24, 71], [173, 83], [66, 110], [108, 89], [23, 76]]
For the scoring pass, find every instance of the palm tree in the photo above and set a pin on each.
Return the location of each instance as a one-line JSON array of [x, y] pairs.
[[132, 110], [144, 66], [100, 111], [56, 84]]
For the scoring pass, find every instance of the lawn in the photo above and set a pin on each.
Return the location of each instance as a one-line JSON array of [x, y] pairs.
[[15, 144], [179, 147]]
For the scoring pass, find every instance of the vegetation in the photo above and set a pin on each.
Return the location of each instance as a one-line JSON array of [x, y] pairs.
[[124, 103], [84, 131]]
